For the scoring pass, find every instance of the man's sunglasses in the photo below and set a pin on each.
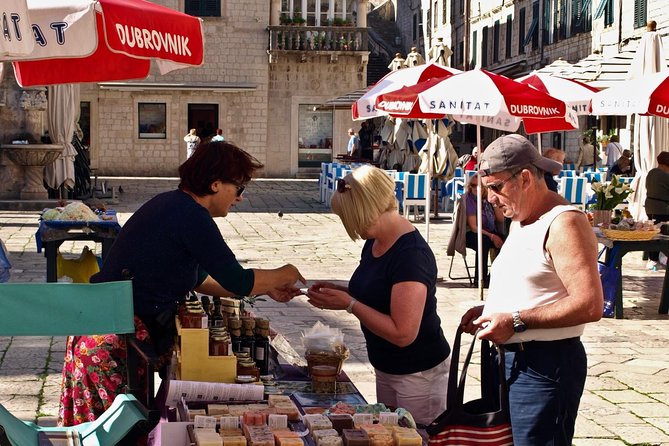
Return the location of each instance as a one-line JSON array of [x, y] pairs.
[[497, 187]]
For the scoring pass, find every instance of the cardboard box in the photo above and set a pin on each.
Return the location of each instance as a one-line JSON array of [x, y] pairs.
[[194, 362]]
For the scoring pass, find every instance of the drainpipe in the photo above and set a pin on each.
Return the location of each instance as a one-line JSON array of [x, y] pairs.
[[620, 24], [541, 34]]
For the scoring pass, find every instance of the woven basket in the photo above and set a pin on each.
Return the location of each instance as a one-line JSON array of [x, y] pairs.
[[334, 359], [615, 234]]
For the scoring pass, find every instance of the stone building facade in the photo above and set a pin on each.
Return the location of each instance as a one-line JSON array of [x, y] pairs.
[[255, 90], [515, 37]]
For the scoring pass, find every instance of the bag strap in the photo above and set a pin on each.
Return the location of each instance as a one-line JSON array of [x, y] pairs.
[[456, 392], [613, 255]]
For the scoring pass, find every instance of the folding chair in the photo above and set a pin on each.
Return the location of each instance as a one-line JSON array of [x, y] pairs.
[[452, 191], [457, 244], [414, 193], [335, 174], [574, 189], [568, 173], [68, 309], [399, 188]]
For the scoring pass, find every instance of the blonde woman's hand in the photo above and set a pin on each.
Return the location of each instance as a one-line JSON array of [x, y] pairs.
[[327, 297]]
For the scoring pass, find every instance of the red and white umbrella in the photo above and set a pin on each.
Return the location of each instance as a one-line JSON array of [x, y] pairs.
[[365, 107], [476, 97], [576, 95], [77, 41], [646, 95]]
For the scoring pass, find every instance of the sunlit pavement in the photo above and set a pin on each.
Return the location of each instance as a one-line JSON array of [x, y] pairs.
[[281, 221]]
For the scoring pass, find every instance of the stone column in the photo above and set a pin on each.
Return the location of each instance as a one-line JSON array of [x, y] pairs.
[[274, 12], [362, 14]]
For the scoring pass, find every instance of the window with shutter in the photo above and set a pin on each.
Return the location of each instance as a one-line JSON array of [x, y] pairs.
[[461, 53], [640, 8], [474, 49], [495, 41], [444, 12], [564, 20], [484, 47], [534, 28], [509, 35], [521, 31], [203, 8], [608, 14], [546, 28]]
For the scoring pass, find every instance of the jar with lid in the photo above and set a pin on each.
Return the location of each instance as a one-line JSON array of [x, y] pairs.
[[218, 346]]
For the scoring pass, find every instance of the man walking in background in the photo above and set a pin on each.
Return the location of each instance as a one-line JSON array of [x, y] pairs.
[[353, 148]]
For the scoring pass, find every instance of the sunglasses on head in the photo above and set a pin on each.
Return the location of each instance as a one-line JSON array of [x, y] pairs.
[[497, 187], [342, 185]]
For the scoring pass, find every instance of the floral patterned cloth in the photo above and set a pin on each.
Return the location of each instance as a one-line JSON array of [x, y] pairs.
[[94, 372]]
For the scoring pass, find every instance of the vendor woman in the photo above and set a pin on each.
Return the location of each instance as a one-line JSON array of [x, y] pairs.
[[393, 294], [169, 247]]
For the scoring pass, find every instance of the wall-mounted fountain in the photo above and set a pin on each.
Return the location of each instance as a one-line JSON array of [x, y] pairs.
[[24, 174]]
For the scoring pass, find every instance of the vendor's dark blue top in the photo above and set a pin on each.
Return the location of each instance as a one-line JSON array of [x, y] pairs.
[[166, 246], [410, 259]]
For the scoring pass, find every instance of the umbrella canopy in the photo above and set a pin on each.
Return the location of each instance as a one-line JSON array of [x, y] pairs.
[[477, 97], [102, 40], [646, 95], [365, 107], [17, 39]]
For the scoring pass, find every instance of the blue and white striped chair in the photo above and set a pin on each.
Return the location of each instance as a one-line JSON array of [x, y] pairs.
[[414, 193], [453, 189], [399, 188], [569, 166], [568, 173], [575, 190], [335, 174], [594, 176], [322, 180]]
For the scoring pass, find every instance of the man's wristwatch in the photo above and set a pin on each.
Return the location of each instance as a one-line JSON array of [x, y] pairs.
[[349, 309], [518, 324]]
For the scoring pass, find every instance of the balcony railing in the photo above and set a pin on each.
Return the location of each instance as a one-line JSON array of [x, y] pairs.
[[317, 38]]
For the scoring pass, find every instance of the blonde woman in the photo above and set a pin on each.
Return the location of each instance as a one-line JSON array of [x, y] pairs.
[[392, 293]]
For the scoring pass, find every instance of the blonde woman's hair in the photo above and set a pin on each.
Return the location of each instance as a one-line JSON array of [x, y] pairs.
[[367, 193]]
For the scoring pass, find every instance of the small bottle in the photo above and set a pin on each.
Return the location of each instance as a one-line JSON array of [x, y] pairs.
[[236, 340], [248, 342], [206, 305], [262, 352], [217, 316]]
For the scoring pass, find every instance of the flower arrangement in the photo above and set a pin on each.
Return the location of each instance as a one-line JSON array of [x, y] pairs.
[[610, 194]]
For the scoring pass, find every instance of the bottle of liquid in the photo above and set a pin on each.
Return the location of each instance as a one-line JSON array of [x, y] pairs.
[[262, 351], [217, 316], [248, 342], [206, 306]]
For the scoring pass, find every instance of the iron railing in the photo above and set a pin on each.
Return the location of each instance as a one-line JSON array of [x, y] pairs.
[[317, 38]]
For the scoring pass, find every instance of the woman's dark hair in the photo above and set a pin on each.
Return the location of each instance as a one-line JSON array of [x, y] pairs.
[[663, 158], [216, 160]]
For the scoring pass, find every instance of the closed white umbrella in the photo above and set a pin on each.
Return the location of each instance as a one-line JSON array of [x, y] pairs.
[[61, 120], [651, 133]]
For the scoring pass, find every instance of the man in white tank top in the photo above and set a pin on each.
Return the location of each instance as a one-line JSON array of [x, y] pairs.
[[544, 287]]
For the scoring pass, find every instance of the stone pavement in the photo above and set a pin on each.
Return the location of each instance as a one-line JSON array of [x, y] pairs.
[[627, 392]]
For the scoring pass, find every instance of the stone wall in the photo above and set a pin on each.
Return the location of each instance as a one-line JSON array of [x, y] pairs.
[[235, 53], [294, 81]]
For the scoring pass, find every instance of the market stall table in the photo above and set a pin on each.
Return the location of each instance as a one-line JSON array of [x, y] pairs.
[[51, 234], [658, 243]]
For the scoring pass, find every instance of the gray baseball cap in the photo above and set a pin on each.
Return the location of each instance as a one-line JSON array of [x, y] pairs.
[[511, 152]]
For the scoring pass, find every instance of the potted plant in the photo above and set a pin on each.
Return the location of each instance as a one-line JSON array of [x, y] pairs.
[[609, 194], [285, 20], [299, 20], [338, 22]]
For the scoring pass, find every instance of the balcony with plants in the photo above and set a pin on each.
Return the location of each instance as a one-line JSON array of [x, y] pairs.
[[306, 34]]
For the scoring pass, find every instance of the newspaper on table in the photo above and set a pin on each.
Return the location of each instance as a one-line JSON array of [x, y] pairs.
[[207, 391]]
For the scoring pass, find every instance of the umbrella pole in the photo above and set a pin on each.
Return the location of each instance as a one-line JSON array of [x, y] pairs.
[[428, 182], [479, 215], [539, 142]]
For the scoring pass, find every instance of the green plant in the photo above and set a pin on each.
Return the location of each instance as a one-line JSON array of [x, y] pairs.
[[299, 20], [338, 22], [610, 194], [285, 20]]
